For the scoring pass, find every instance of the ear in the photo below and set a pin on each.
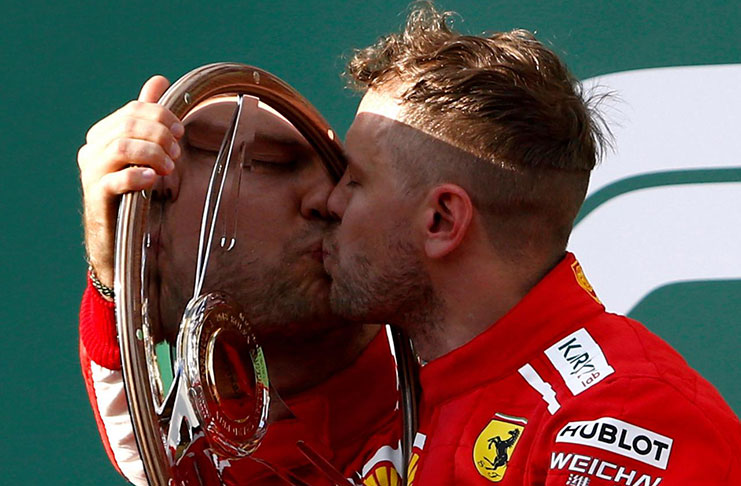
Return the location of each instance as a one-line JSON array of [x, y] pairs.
[[447, 217]]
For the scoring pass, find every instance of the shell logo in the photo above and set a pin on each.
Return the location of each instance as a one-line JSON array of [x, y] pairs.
[[385, 474]]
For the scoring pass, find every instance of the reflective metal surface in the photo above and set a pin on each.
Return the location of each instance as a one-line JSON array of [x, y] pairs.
[[219, 273]]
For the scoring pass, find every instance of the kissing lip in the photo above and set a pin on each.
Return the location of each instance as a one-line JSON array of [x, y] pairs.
[[329, 248], [330, 255], [316, 252]]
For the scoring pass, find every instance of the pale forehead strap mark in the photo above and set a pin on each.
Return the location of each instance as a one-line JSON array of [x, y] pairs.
[[387, 103]]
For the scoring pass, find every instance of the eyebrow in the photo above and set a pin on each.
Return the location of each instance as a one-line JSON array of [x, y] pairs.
[[280, 139], [352, 163], [213, 134]]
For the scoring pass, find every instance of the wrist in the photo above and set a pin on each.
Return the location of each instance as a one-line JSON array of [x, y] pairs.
[[105, 291]]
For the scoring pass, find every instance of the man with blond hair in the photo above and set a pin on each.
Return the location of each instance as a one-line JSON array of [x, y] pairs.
[[469, 159]]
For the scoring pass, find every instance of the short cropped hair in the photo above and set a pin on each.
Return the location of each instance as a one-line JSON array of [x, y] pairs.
[[505, 100]]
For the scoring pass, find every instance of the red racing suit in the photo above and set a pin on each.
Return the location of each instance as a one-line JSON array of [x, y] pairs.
[[560, 392], [348, 408]]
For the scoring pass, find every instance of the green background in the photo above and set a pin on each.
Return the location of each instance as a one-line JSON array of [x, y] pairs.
[[67, 64]]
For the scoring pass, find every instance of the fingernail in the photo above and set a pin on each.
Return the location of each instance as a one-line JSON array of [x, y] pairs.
[[174, 150], [169, 164], [148, 173], [177, 129]]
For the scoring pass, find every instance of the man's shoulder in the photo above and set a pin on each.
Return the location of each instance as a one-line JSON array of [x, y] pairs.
[[608, 396], [647, 411], [643, 363], [601, 401], [609, 363], [650, 424], [614, 362]]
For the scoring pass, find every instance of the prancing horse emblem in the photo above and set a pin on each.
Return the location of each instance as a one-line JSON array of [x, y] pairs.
[[502, 446], [495, 445]]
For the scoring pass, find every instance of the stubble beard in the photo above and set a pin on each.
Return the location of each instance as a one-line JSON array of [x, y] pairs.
[[284, 302], [281, 298], [397, 290]]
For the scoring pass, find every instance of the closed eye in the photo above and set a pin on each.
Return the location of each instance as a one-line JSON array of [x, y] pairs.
[[264, 164]]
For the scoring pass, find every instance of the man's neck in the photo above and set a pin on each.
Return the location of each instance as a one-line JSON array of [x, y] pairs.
[[297, 365], [471, 300], [459, 324]]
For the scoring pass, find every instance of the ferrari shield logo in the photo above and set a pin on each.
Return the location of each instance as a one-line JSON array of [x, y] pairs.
[[495, 445], [581, 279]]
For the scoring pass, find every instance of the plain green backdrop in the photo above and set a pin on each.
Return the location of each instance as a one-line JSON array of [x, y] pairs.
[[67, 64]]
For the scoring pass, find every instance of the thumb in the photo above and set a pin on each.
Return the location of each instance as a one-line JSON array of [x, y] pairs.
[[153, 89]]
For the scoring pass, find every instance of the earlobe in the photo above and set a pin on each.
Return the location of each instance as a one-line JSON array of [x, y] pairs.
[[448, 218]]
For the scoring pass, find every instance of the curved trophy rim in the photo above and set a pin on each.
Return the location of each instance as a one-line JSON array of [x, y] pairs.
[[186, 93]]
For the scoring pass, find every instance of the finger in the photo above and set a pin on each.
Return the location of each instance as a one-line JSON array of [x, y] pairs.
[[138, 129], [128, 180], [102, 132], [83, 156], [153, 89], [123, 152], [149, 111]]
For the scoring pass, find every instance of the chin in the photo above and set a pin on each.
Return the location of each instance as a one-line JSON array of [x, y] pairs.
[[344, 304], [317, 290]]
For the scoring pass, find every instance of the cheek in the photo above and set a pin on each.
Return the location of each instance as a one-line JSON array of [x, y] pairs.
[[354, 220], [267, 221], [363, 225], [267, 209], [184, 214]]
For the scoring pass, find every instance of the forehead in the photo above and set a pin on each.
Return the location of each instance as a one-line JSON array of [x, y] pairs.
[[214, 116], [367, 140], [383, 103], [224, 105]]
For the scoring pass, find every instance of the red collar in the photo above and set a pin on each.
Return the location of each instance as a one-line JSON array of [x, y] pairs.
[[563, 300]]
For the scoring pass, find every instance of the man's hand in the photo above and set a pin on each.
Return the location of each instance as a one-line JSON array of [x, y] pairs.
[[124, 152]]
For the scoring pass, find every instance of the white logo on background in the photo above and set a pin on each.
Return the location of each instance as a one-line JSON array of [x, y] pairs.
[[579, 360], [614, 435]]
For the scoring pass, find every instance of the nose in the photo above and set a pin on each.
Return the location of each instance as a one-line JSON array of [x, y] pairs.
[[317, 189], [337, 200]]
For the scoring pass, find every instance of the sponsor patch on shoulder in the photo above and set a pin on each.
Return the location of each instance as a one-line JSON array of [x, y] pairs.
[[614, 435], [581, 279], [579, 360]]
